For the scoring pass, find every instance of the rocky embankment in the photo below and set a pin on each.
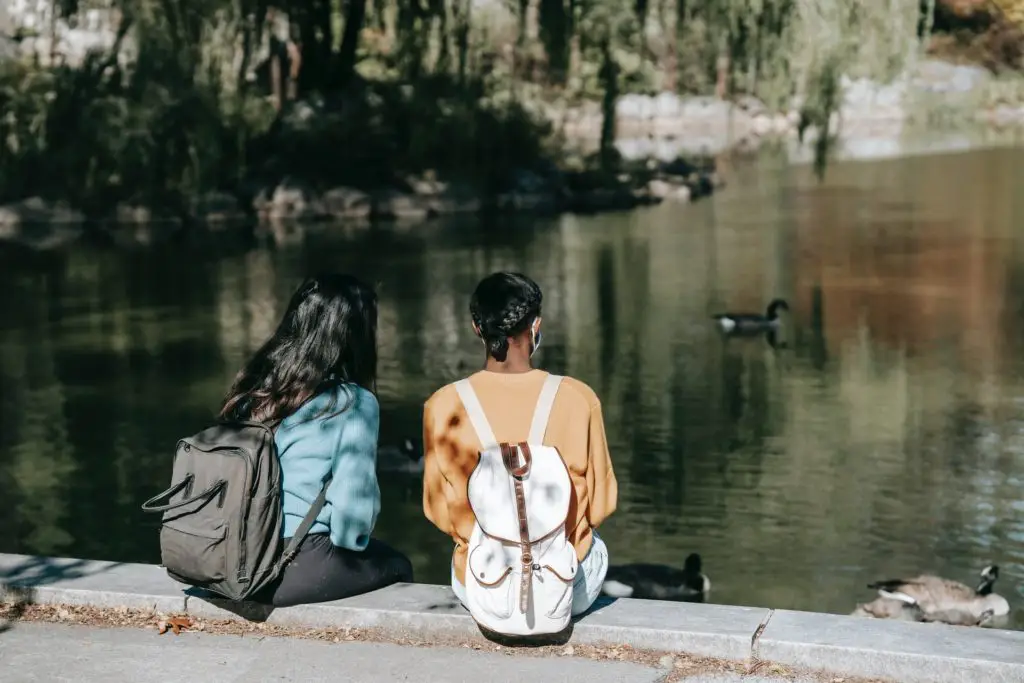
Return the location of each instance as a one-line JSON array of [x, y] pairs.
[[41, 224]]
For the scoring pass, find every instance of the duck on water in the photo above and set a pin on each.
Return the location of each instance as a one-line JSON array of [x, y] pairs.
[[751, 323], [658, 581]]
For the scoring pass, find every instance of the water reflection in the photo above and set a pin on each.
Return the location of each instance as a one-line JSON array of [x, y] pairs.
[[886, 438]]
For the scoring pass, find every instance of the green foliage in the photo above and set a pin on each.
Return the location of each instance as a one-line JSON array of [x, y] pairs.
[[156, 130], [386, 130], [171, 111]]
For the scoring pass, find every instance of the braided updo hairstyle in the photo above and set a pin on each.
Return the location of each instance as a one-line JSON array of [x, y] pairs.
[[504, 305]]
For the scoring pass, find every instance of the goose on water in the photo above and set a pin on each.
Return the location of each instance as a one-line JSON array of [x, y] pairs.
[[658, 581], [751, 323], [935, 599], [890, 608]]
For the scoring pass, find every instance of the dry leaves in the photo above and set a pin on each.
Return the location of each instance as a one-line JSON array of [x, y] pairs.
[[679, 666], [175, 624]]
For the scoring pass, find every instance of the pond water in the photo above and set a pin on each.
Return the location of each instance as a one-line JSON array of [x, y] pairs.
[[884, 439]]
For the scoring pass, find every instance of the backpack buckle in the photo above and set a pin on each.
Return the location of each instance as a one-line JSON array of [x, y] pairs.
[[511, 455]]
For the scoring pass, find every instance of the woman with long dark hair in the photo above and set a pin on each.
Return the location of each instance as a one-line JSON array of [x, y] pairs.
[[314, 380], [505, 311]]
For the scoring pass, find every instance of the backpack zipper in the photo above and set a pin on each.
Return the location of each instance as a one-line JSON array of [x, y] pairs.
[[246, 503], [252, 459], [246, 500]]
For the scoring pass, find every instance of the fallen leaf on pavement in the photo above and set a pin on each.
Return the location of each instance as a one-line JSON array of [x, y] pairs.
[[175, 625]]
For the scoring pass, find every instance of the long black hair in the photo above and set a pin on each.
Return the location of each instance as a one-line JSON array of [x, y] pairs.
[[327, 337], [504, 305]]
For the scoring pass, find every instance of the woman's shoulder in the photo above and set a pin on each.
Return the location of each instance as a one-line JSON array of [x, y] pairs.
[[579, 392], [446, 395], [355, 398], [339, 404]]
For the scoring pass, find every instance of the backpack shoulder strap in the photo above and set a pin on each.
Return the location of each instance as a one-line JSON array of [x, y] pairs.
[[476, 413], [309, 520], [542, 413], [305, 525]]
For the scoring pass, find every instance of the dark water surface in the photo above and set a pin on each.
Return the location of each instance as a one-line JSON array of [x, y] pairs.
[[886, 439]]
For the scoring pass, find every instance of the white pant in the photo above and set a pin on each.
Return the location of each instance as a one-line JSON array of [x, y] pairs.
[[585, 587]]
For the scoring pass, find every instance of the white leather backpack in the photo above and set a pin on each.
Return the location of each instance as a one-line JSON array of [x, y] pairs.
[[520, 563]]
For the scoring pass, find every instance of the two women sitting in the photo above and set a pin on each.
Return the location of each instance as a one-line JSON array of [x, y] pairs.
[[516, 471]]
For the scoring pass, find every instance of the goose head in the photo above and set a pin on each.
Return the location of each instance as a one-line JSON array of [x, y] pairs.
[[989, 601], [697, 579], [988, 579], [775, 306]]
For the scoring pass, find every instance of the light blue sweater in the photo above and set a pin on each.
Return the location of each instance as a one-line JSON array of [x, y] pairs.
[[344, 442]]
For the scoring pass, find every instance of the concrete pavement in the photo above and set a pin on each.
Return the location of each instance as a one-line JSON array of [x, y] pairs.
[[38, 653], [54, 653]]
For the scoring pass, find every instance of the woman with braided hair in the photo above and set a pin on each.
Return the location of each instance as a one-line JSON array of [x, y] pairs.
[[506, 316]]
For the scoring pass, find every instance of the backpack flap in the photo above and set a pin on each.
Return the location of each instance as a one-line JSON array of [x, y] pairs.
[[546, 487]]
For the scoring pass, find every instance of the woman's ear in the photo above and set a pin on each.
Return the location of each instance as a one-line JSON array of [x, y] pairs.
[[476, 331], [536, 325]]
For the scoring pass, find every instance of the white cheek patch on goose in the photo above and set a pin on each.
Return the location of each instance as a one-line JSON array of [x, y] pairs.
[[615, 589]]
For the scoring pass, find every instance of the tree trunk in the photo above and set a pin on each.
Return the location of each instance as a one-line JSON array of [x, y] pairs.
[[251, 20], [532, 26], [641, 9], [462, 26], [322, 17], [409, 38], [439, 27], [670, 29], [722, 67], [555, 35], [575, 51], [355, 15], [609, 76]]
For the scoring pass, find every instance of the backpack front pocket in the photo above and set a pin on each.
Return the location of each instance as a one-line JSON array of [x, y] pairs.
[[491, 580], [196, 554], [553, 584]]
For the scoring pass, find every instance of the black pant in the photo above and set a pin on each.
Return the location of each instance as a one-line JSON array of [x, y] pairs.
[[322, 572]]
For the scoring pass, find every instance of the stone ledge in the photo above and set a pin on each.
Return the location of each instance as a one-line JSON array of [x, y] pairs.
[[421, 611], [58, 580], [907, 652]]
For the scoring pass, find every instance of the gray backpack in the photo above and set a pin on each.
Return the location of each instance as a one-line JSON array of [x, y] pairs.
[[222, 517]]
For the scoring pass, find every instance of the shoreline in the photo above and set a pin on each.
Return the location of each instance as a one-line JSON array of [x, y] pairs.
[[43, 225], [40, 224], [850, 646]]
